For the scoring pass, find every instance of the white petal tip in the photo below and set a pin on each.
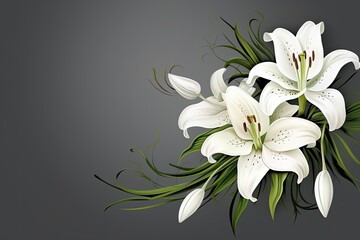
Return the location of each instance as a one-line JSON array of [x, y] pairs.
[[311, 145], [186, 134], [299, 180], [324, 215], [357, 66], [322, 27], [211, 159], [332, 128], [253, 199], [267, 37]]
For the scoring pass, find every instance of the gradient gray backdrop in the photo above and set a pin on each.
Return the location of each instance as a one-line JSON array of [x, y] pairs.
[[75, 99]]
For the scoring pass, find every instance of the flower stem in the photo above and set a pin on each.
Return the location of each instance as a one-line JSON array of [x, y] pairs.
[[214, 172], [322, 147], [302, 105], [206, 100]]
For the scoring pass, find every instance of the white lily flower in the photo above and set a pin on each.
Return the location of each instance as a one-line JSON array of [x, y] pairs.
[[211, 112], [323, 192], [186, 87], [278, 150], [190, 204], [302, 71]]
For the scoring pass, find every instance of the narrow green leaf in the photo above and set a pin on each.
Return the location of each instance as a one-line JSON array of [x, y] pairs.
[[338, 162], [277, 186], [147, 207], [250, 52], [237, 210], [198, 141], [242, 62], [237, 75], [225, 179], [348, 149]]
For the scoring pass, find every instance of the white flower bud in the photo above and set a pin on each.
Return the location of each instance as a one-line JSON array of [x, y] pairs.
[[191, 203], [186, 87], [324, 192]]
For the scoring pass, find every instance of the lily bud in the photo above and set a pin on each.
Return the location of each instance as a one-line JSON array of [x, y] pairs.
[[191, 203], [186, 87], [324, 192]]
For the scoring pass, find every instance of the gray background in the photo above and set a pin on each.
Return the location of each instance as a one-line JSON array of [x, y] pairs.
[[75, 98]]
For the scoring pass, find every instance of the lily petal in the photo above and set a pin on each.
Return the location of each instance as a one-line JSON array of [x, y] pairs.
[[251, 171], [247, 87], [323, 192], [333, 62], [190, 204], [240, 105], [285, 45], [284, 110], [217, 84], [303, 32], [226, 142], [290, 133], [331, 103], [204, 114], [314, 48], [270, 71], [186, 87], [273, 95], [288, 161]]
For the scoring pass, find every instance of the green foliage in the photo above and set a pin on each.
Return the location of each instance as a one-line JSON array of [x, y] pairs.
[[277, 186], [248, 53], [198, 141], [222, 175], [236, 209]]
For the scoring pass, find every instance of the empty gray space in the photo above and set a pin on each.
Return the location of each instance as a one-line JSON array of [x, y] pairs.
[[75, 98]]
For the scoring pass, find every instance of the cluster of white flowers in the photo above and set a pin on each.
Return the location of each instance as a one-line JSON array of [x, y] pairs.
[[264, 134]]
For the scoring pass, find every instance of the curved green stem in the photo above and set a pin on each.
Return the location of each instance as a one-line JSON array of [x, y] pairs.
[[206, 100], [302, 105], [322, 147], [216, 170]]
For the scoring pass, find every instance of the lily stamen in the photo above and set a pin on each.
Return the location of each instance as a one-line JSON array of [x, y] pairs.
[[296, 63], [313, 55], [254, 130]]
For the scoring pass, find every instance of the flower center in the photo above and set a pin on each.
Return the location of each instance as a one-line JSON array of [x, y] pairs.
[[254, 129], [302, 64]]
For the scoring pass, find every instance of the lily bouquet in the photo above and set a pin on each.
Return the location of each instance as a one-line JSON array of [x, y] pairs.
[[299, 126]]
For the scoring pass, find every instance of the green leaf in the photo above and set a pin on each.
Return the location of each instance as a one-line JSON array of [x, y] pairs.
[[224, 179], [250, 51], [240, 61], [198, 141], [338, 162], [348, 149], [237, 75], [277, 186], [236, 209]]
